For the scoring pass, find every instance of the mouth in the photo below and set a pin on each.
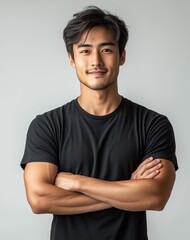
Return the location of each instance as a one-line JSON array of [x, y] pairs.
[[97, 72]]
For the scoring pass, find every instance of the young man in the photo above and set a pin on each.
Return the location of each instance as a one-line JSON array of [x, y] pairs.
[[100, 161]]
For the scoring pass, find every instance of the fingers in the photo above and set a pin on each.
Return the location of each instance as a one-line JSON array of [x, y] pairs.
[[151, 173], [149, 166], [148, 169]]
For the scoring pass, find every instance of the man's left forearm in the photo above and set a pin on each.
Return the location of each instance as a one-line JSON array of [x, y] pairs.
[[130, 195]]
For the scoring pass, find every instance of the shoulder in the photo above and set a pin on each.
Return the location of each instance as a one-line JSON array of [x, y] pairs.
[[150, 123], [54, 116], [144, 114], [51, 122]]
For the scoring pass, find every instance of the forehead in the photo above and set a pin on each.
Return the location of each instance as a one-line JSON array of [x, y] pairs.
[[97, 35]]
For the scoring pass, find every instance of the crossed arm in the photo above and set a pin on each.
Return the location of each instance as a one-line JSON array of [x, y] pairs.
[[65, 193]]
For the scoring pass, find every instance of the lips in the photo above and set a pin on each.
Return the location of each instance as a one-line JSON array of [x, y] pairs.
[[97, 72]]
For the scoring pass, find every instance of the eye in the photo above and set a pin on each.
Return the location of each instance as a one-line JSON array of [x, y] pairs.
[[106, 50], [85, 51]]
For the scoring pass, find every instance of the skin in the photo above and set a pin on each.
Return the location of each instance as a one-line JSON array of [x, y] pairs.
[[97, 62]]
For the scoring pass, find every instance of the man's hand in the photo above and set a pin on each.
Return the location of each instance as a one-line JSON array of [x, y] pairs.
[[148, 169], [66, 181]]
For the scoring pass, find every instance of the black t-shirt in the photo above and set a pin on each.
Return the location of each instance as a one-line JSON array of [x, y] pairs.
[[108, 147]]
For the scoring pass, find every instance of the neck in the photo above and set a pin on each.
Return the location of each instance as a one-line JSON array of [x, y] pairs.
[[99, 102]]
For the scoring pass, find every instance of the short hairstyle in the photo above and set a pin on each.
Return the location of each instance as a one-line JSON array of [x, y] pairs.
[[90, 17]]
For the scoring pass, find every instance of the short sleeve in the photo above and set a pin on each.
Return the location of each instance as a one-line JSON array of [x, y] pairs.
[[40, 142], [160, 140]]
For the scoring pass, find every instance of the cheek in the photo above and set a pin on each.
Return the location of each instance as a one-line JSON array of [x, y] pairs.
[[113, 62], [80, 65], [80, 69]]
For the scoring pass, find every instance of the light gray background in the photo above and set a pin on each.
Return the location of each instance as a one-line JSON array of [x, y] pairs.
[[35, 77]]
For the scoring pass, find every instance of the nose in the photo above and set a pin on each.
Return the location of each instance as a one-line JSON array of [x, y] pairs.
[[96, 60]]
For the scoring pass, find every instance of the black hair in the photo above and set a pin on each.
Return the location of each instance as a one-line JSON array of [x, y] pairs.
[[87, 19]]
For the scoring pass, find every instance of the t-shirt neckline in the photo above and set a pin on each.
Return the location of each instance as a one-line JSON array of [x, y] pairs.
[[100, 117]]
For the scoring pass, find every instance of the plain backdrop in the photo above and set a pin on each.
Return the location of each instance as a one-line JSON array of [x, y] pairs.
[[35, 76]]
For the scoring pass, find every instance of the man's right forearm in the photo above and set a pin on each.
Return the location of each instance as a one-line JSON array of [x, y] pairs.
[[44, 197], [57, 201]]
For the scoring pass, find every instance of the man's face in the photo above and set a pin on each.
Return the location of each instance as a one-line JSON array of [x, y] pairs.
[[97, 59]]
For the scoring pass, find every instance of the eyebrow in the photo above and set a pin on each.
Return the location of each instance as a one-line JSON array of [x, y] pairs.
[[99, 45]]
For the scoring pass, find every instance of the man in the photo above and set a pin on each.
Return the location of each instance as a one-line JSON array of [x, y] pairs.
[[100, 161]]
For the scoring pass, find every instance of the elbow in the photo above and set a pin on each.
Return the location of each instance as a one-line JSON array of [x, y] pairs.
[[159, 204], [38, 205], [159, 207]]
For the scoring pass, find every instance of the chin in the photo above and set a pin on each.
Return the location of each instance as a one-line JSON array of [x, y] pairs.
[[97, 87]]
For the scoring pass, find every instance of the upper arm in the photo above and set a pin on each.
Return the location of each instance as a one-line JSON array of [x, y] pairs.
[[36, 175], [165, 181]]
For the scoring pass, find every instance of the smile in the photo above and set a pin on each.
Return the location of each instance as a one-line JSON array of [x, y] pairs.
[[97, 72]]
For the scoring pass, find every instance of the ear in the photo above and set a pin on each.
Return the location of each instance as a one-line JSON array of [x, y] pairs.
[[122, 58], [71, 60]]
